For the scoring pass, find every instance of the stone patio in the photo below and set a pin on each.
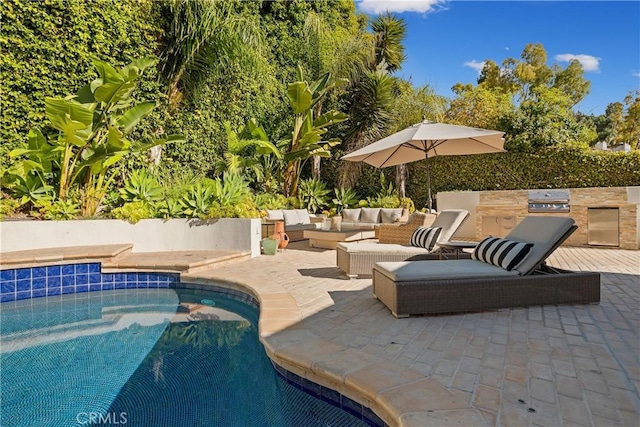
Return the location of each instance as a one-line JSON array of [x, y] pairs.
[[540, 366]]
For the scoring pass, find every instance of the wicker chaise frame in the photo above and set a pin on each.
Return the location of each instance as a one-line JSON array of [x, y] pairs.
[[360, 264], [542, 285], [477, 294]]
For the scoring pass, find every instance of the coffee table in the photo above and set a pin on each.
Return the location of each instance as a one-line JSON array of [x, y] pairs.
[[329, 239]]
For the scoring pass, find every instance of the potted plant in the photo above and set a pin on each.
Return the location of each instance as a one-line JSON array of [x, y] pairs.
[[269, 245]]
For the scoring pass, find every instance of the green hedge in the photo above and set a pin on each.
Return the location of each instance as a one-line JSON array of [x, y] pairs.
[[552, 168]]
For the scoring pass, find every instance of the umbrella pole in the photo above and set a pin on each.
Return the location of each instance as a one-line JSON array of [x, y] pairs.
[[428, 186]]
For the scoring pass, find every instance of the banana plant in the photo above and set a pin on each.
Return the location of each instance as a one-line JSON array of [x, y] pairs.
[[246, 150], [309, 127], [93, 128]]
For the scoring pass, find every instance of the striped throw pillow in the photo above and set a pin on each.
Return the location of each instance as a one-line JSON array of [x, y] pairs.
[[425, 237], [501, 252]]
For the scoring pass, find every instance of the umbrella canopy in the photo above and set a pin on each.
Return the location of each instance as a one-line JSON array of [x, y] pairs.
[[425, 140]]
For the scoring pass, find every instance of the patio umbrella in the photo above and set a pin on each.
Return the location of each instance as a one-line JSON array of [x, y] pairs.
[[425, 140]]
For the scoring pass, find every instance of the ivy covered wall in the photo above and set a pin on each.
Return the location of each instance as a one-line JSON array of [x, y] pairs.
[[45, 50]]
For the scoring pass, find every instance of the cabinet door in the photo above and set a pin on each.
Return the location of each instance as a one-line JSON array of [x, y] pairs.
[[490, 226]]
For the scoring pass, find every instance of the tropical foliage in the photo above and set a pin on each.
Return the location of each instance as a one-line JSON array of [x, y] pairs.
[[93, 137], [255, 113]]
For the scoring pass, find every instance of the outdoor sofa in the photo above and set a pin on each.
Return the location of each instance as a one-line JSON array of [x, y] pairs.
[[295, 221], [358, 259], [372, 218], [451, 286]]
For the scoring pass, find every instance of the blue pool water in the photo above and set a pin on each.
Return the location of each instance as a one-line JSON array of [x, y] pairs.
[[151, 357]]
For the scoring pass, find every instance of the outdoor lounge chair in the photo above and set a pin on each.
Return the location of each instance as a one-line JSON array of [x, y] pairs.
[[357, 259], [450, 286]]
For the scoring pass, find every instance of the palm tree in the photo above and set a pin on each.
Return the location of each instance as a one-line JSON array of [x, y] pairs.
[[205, 37], [372, 91]]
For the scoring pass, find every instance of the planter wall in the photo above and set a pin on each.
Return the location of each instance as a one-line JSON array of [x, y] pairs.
[[148, 235]]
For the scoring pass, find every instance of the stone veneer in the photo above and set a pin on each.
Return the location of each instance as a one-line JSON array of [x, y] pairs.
[[510, 203]]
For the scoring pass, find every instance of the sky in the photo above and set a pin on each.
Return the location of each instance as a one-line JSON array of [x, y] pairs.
[[447, 41]]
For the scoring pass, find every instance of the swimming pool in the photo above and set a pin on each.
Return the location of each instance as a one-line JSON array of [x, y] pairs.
[[152, 357]]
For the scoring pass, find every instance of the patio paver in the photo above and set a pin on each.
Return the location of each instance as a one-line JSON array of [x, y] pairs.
[[552, 365]]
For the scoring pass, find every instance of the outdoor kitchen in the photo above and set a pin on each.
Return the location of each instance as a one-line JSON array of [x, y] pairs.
[[606, 217]]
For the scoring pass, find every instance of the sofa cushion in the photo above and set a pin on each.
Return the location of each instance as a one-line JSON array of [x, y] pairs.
[[303, 215], [370, 215], [275, 214], [425, 237], [351, 215], [299, 227], [389, 216], [501, 252], [291, 217]]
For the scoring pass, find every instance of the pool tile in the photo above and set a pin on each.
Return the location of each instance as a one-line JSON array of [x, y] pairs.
[[352, 407], [23, 285], [120, 285], [36, 293], [37, 272], [330, 396], [131, 285], [52, 270], [68, 270], [7, 287], [95, 278], [107, 286], [312, 388], [107, 278], [369, 417], [82, 268], [94, 267], [40, 283], [7, 297], [23, 295], [23, 273], [68, 289], [54, 291], [68, 280], [7, 275], [82, 288], [82, 279], [54, 282], [131, 277], [95, 287]]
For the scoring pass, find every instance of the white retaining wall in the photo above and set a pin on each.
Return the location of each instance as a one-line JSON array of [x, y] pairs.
[[148, 235]]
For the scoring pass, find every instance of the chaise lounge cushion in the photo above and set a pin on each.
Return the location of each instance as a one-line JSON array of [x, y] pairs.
[[407, 271], [544, 232], [386, 249]]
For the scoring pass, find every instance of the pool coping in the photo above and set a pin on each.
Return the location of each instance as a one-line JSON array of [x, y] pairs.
[[399, 396]]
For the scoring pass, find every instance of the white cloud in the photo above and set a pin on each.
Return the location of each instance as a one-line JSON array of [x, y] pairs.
[[399, 6], [589, 63], [476, 65], [635, 74]]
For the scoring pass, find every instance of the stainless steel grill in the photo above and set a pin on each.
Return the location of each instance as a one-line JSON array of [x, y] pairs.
[[549, 201]]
